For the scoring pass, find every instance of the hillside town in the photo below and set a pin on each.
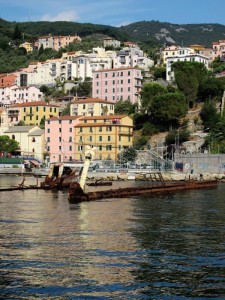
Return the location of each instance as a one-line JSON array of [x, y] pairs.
[[36, 122]]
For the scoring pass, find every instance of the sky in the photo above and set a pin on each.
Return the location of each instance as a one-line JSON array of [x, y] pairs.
[[114, 12]]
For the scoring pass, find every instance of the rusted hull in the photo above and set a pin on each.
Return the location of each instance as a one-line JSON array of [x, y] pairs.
[[77, 195], [101, 183]]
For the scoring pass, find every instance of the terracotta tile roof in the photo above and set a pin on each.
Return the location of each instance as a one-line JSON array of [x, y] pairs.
[[111, 117], [64, 118], [90, 100], [35, 103]]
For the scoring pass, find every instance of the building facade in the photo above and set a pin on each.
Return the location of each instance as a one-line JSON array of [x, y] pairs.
[[10, 95], [56, 42], [30, 139], [33, 113], [60, 138], [109, 134], [219, 50], [91, 107], [117, 84], [191, 58]]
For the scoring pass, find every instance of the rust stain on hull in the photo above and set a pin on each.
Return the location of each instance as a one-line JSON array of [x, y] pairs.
[[76, 194]]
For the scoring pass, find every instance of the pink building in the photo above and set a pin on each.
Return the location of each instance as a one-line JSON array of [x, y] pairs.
[[59, 138], [117, 84], [219, 50], [58, 41]]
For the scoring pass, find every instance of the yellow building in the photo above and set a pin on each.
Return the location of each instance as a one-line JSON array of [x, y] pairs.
[[31, 113], [27, 46], [91, 107], [109, 134]]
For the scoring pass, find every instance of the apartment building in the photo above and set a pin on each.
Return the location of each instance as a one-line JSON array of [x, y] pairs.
[[30, 138], [56, 42], [33, 113], [219, 50], [111, 42], [109, 134], [91, 107], [16, 94], [60, 138], [132, 57], [191, 57], [117, 84], [175, 51]]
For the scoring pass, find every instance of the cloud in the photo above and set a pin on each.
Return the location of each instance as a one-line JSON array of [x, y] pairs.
[[62, 16]]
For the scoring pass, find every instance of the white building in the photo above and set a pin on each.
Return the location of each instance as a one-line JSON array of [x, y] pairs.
[[132, 57], [191, 58], [16, 94]]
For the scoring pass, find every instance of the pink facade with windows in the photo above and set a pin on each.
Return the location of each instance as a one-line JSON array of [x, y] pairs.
[[117, 84], [59, 138], [219, 50]]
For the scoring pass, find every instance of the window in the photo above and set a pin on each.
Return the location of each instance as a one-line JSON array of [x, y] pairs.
[[121, 81], [84, 106], [128, 80], [106, 91], [97, 75], [36, 108], [60, 121], [70, 122], [48, 130], [100, 138], [13, 137], [90, 129], [44, 109], [106, 74], [81, 129], [60, 129], [114, 82], [90, 138], [70, 148], [109, 138], [48, 139], [33, 139], [60, 148], [36, 118], [70, 139], [70, 129], [100, 147], [100, 129], [60, 139], [106, 82]]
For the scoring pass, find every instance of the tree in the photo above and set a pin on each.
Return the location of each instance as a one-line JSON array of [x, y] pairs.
[[66, 110], [7, 144], [124, 107], [127, 155], [17, 35], [188, 77], [149, 91], [169, 108], [209, 115]]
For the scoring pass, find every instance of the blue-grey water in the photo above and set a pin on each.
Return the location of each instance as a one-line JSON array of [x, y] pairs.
[[158, 247]]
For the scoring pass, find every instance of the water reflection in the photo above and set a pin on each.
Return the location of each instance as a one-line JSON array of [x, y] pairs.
[[156, 248]]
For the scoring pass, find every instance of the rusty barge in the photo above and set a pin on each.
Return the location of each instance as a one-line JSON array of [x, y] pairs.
[[155, 184], [76, 193]]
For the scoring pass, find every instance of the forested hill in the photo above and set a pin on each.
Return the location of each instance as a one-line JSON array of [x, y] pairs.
[[152, 31], [167, 33]]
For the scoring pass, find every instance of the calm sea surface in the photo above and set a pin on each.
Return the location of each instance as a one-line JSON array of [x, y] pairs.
[[158, 247]]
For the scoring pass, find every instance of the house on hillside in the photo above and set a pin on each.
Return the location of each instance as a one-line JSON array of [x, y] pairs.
[[117, 84], [109, 134], [33, 113], [31, 140], [91, 107]]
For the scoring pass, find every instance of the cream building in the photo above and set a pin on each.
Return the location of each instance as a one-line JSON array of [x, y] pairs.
[[91, 107], [30, 138], [110, 134]]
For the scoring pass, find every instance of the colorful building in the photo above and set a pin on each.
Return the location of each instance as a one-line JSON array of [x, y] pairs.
[[91, 107], [117, 84], [110, 134], [57, 42], [32, 113], [219, 50], [59, 138]]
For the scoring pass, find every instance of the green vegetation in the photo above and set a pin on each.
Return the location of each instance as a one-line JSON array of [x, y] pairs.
[[8, 145]]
